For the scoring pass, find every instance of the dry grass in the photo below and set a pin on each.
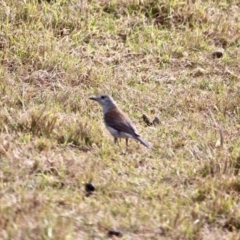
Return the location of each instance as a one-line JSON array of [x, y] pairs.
[[155, 58]]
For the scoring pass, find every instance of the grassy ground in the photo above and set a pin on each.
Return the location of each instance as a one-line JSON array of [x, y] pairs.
[[155, 58]]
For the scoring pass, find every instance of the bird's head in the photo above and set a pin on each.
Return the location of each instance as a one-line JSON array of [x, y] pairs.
[[105, 101]]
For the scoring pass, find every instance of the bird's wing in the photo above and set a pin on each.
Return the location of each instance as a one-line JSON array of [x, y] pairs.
[[118, 120]]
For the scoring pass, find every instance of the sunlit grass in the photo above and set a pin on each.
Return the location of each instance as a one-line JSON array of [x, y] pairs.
[[154, 58]]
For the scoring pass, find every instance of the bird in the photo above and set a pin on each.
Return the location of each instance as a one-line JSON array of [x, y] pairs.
[[117, 122]]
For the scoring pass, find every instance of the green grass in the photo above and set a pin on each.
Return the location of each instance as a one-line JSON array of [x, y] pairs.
[[154, 58]]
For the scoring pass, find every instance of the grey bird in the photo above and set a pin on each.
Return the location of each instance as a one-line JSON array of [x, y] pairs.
[[117, 123]]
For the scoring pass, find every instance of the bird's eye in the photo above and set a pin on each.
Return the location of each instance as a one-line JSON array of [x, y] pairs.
[[102, 97]]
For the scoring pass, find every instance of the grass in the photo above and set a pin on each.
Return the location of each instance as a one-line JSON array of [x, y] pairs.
[[154, 58]]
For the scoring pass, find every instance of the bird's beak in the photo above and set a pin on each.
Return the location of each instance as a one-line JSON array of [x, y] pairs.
[[94, 98]]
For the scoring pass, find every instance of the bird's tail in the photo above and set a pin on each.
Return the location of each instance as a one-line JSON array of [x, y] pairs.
[[144, 142]]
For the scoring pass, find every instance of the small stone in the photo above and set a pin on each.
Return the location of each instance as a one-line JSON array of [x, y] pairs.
[[123, 36], [146, 120], [116, 233], [156, 121], [218, 53], [89, 188]]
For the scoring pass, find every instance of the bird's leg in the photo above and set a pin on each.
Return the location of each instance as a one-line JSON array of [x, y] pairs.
[[126, 142], [117, 142], [126, 145]]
